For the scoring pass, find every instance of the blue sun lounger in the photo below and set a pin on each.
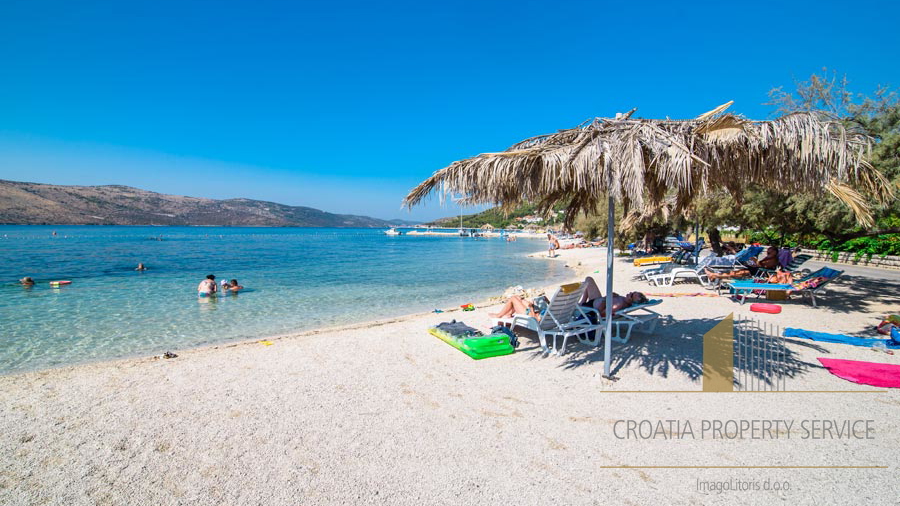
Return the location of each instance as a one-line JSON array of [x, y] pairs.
[[743, 288]]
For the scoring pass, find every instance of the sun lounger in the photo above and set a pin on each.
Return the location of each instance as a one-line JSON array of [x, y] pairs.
[[806, 285], [722, 265], [558, 320], [668, 276], [681, 257], [698, 272], [792, 267], [742, 289], [624, 320], [652, 260], [665, 274]]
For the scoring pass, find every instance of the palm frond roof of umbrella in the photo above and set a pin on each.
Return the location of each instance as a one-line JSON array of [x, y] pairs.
[[642, 162]]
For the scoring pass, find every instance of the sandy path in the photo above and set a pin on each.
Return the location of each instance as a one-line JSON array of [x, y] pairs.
[[387, 414]]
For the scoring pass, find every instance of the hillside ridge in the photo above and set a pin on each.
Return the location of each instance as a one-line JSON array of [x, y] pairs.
[[24, 203]]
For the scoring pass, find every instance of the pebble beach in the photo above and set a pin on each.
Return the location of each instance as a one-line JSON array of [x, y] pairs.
[[381, 412]]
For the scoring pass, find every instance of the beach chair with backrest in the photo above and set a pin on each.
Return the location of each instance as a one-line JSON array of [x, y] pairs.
[[795, 266], [562, 318], [812, 284], [681, 257], [624, 321], [711, 262], [698, 272], [815, 282]]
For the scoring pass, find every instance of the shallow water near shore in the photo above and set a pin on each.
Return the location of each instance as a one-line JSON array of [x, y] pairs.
[[296, 278]]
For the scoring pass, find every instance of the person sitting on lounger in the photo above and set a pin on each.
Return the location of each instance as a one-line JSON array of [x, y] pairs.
[[771, 259], [517, 305]]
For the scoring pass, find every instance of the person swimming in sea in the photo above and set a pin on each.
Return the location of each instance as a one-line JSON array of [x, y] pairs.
[[207, 287], [141, 267], [233, 286], [26, 281]]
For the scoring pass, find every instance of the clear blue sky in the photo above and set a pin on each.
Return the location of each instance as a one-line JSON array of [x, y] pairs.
[[345, 106]]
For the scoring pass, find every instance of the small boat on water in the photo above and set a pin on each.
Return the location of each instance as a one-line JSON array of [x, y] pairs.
[[392, 231]]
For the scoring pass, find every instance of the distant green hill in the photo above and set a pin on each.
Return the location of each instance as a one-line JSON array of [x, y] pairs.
[[497, 219]]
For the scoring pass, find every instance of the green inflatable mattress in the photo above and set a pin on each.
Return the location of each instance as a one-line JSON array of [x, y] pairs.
[[476, 347]]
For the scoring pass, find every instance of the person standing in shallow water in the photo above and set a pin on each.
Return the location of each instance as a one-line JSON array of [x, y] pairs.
[[207, 287], [552, 245]]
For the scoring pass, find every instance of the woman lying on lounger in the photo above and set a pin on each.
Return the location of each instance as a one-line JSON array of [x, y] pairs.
[[594, 298]]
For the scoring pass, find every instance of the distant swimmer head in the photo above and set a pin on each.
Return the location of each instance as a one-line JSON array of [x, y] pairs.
[[27, 281]]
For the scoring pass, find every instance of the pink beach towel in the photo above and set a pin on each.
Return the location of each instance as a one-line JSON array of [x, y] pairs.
[[864, 373]]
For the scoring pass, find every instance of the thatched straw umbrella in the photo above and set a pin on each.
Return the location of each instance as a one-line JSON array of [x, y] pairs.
[[643, 162]]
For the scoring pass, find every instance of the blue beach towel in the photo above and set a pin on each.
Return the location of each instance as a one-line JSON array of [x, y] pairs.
[[745, 285], [840, 338]]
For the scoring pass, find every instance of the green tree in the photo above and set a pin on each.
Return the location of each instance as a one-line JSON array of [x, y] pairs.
[[878, 115], [777, 216]]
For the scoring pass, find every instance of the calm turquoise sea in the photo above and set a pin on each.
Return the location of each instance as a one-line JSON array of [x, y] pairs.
[[296, 279]]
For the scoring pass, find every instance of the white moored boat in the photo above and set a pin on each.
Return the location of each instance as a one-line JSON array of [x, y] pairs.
[[393, 231]]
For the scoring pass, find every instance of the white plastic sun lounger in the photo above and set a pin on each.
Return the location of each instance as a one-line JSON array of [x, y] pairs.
[[557, 321], [667, 278], [624, 321]]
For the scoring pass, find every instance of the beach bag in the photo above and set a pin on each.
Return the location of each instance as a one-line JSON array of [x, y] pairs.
[[500, 329], [887, 326], [592, 318], [760, 282]]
